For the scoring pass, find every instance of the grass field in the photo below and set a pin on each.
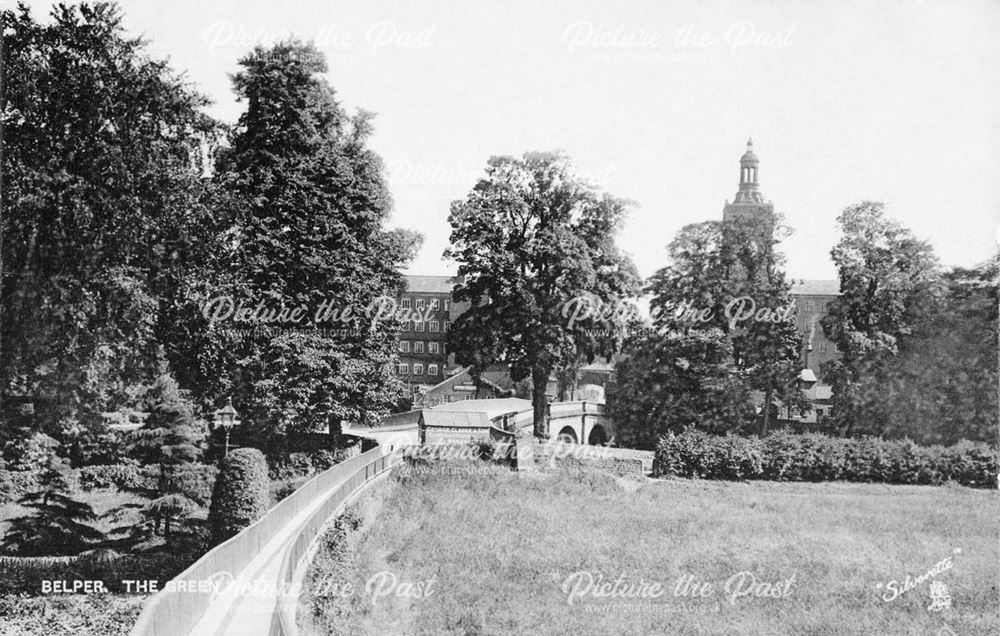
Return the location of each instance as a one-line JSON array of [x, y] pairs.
[[445, 553]]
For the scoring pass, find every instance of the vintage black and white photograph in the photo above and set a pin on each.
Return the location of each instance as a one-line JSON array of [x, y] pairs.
[[499, 317]]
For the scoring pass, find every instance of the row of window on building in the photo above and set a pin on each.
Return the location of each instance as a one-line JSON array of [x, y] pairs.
[[418, 369], [419, 303], [812, 305], [418, 346], [418, 326]]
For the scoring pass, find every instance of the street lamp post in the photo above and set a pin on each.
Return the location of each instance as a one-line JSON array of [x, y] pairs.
[[226, 417]]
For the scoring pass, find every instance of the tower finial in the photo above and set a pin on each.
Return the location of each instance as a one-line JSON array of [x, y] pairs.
[[748, 176]]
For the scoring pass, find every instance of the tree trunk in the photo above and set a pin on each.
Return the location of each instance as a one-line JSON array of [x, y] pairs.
[[335, 432], [766, 424], [539, 380]]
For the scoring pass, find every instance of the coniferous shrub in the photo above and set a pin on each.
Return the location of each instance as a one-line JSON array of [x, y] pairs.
[[57, 524], [240, 496]]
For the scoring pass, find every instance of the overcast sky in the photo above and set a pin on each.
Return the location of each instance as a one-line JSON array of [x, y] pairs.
[[894, 101]]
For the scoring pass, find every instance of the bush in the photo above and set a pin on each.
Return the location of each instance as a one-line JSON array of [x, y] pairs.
[[970, 463], [307, 463], [281, 489], [291, 466], [126, 475], [784, 456], [15, 484], [31, 452], [325, 459], [240, 494], [195, 481], [92, 443]]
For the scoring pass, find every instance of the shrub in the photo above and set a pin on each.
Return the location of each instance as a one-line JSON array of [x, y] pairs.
[[31, 452], [126, 475], [15, 484], [280, 490], [240, 493], [195, 481], [291, 466], [785, 456], [915, 464], [971, 464], [307, 463], [89, 441], [325, 459]]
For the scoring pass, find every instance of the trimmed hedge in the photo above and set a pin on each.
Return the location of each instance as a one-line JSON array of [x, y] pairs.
[[784, 456], [196, 482], [240, 496], [19, 575]]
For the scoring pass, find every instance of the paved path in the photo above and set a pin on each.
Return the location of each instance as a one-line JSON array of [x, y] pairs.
[[236, 614]]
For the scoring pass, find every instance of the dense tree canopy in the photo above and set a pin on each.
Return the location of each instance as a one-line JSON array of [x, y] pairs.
[[530, 238], [919, 346], [308, 203], [117, 232], [721, 328], [103, 208], [890, 282]]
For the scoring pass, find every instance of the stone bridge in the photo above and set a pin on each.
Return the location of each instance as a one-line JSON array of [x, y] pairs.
[[580, 423]]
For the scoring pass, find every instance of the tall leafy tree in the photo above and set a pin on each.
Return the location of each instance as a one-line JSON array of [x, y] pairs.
[[942, 385], [529, 238], [309, 203], [103, 207], [722, 327], [682, 373], [890, 282], [767, 344]]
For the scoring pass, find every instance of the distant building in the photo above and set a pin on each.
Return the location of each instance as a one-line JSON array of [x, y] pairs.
[[423, 357], [812, 300], [493, 383]]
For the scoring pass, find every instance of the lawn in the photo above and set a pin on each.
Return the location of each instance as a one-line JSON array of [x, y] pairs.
[[491, 553]]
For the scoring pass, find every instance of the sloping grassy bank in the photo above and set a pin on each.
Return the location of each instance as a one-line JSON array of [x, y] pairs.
[[472, 550]]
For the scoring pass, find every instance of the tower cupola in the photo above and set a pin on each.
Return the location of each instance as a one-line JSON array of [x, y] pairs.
[[749, 191]]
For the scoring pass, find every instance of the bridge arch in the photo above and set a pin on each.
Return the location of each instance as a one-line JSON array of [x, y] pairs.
[[598, 436], [568, 434]]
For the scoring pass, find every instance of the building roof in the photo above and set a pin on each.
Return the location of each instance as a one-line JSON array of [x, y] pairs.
[[819, 392], [815, 287], [430, 284], [498, 380], [455, 419], [395, 421], [491, 408]]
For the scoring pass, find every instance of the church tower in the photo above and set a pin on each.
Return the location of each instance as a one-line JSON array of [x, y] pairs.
[[749, 201]]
